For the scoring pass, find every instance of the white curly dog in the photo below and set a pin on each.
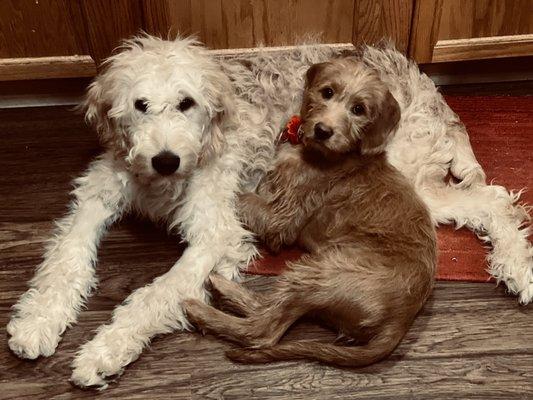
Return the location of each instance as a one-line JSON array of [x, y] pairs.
[[184, 132]]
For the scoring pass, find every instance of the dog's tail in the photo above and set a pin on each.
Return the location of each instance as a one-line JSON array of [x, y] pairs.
[[377, 349]]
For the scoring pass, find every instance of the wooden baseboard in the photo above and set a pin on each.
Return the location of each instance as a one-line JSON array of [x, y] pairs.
[[42, 92], [483, 48], [480, 71], [13, 69]]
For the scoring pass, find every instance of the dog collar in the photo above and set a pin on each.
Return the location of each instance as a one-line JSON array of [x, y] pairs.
[[292, 132]]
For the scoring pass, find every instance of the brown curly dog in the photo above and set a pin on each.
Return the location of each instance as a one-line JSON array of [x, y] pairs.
[[371, 242]]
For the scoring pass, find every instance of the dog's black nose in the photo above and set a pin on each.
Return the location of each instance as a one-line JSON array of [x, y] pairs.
[[322, 132], [166, 163]]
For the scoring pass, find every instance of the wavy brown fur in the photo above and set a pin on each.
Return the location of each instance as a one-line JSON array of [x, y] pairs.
[[371, 242]]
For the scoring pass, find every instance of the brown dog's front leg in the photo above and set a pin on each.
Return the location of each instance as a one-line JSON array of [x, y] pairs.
[[276, 225], [257, 215], [234, 297], [253, 211]]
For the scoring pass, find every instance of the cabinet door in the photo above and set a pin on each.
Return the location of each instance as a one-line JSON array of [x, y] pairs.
[[248, 23], [455, 30], [375, 20], [224, 24], [43, 38]]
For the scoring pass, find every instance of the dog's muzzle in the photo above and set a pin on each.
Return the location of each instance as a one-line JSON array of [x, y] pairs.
[[166, 163]]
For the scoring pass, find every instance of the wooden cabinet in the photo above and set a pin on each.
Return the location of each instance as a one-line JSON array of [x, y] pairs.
[[456, 30], [249, 23], [69, 38], [41, 38], [62, 38]]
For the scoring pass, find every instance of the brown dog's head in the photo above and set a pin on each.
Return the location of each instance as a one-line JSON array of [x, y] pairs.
[[346, 107]]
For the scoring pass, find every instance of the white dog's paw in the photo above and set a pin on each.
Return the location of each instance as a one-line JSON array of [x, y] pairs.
[[526, 295], [32, 337], [519, 279], [469, 177], [91, 368], [103, 357]]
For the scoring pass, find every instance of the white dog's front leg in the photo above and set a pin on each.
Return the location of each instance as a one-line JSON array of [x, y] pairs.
[[153, 310], [66, 276]]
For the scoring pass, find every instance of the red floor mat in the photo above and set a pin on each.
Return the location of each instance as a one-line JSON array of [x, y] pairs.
[[501, 133]]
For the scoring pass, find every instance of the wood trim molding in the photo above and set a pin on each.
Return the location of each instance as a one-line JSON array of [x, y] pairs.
[[14, 69], [482, 48], [490, 70]]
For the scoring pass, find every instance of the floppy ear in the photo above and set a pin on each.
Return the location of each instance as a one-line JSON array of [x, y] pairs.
[[96, 110], [213, 140], [220, 95], [384, 123], [313, 71]]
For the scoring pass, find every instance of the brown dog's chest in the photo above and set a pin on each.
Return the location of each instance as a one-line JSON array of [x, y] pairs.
[[350, 203]]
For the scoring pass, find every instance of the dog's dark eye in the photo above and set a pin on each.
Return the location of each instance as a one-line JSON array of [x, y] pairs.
[[185, 104], [358, 109], [141, 105], [327, 93]]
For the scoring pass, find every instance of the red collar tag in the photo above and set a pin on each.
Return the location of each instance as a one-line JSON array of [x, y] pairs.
[[292, 132]]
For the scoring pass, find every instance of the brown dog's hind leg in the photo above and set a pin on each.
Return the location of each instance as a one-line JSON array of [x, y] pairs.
[[263, 329], [234, 297], [377, 349]]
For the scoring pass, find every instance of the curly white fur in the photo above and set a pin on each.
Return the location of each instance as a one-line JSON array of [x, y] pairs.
[[226, 143]]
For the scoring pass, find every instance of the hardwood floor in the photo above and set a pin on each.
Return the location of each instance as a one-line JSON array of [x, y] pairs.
[[471, 341]]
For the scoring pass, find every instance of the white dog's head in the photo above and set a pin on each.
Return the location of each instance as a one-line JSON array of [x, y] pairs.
[[160, 106]]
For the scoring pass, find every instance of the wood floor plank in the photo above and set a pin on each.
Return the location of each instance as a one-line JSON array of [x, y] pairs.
[[480, 378], [42, 150]]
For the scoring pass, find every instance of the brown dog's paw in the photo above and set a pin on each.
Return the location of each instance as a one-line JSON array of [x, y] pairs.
[[194, 311]]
